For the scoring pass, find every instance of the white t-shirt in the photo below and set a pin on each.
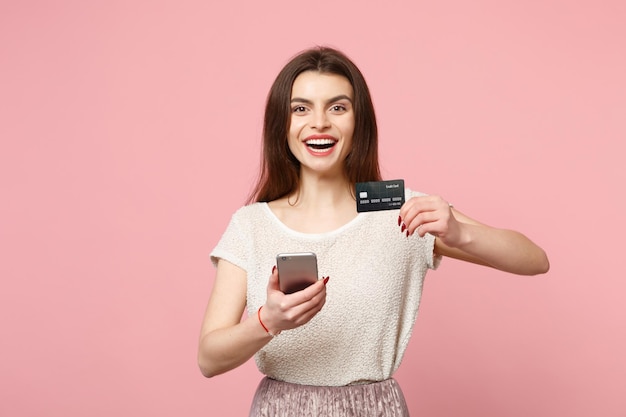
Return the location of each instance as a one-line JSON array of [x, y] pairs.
[[376, 276]]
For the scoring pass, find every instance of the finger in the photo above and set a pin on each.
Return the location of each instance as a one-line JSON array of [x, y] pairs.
[[306, 311], [422, 219], [310, 295], [272, 283], [301, 313], [410, 205], [424, 200], [434, 228], [308, 315], [307, 293], [416, 205], [414, 218]]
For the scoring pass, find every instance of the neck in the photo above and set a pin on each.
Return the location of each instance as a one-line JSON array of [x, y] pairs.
[[321, 204], [317, 192]]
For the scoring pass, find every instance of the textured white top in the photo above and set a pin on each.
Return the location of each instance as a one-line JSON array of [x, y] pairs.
[[376, 276]]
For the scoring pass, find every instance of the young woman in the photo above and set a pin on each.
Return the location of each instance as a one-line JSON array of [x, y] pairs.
[[331, 349]]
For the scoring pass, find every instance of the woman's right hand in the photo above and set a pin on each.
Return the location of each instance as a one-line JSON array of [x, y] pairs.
[[226, 341], [288, 311]]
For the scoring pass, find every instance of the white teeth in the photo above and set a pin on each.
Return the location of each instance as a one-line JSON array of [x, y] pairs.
[[320, 142]]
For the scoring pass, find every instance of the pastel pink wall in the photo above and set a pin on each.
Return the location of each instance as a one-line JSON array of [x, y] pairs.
[[130, 133]]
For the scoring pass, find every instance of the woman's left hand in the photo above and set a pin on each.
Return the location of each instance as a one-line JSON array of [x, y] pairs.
[[458, 236], [430, 214]]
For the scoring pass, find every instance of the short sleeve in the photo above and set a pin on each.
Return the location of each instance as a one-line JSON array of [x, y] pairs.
[[433, 261], [233, 245]]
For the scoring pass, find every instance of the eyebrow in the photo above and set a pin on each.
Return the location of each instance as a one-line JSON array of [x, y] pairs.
[[306, 101]]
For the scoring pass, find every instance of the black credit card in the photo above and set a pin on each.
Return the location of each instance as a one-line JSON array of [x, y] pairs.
[[379, 195]]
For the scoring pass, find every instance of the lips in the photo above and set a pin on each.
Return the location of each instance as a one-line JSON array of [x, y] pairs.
[[320, 144]]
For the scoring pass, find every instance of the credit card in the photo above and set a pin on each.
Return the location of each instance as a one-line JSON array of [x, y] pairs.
[[379, 195]]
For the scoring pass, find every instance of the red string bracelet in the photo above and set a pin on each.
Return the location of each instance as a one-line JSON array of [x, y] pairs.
[[258, 313]]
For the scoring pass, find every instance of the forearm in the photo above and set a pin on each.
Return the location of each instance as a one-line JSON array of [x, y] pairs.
[[506, 250], [224, 349]]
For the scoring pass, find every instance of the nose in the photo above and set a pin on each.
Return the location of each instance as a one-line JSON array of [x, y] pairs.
[[320, 120]]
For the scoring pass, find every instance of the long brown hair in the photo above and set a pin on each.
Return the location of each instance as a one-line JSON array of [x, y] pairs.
[[280, 170]]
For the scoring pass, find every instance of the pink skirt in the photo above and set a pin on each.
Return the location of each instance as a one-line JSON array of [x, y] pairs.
[[277, 399]]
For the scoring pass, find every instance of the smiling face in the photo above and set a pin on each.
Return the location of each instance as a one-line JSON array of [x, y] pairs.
[[322, 121]]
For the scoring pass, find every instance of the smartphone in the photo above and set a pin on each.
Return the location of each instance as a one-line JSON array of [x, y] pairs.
[[296, 271]]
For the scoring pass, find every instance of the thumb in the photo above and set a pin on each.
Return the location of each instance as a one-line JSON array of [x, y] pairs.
[[272, 284]]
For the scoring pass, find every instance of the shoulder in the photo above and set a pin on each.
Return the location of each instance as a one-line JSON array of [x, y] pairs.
[[250, 210], [251, 213]]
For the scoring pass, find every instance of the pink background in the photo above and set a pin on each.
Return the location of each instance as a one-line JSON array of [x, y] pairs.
[[130, 133]]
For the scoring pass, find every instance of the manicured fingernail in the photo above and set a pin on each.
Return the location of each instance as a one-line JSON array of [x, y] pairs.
[[403, 228], [273, 269], [399, 220], [407, 232], [326, 280]]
